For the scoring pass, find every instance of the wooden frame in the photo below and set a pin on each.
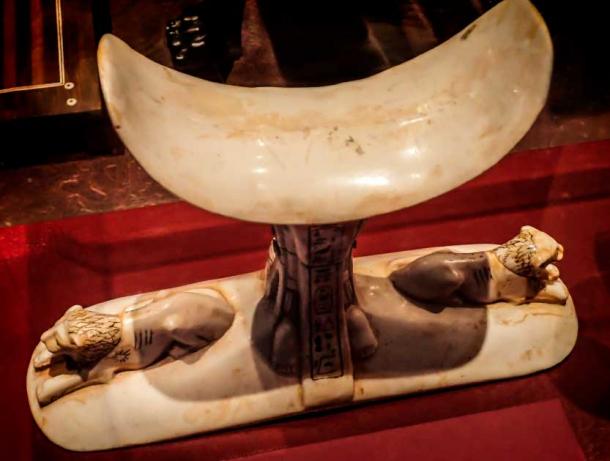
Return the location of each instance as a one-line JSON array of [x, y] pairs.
[[77, 88]]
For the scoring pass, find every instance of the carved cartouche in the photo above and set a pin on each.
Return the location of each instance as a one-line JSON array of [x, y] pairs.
[[309, 274]]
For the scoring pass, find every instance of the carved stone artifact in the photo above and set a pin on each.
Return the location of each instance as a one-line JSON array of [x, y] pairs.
[[97, 345], [315, 327], [519, 271]]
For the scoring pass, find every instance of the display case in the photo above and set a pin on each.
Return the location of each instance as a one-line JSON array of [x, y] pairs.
[[100, 228]]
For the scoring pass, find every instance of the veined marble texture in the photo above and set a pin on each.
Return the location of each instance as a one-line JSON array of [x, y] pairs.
[[342, 152], [231, 382]]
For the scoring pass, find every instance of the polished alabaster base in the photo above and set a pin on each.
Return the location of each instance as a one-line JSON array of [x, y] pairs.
[[231, 382]]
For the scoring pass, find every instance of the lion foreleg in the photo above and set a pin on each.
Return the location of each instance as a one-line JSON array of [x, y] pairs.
[[57, 386]]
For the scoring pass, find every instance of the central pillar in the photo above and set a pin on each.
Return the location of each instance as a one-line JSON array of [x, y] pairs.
[[311, 281]]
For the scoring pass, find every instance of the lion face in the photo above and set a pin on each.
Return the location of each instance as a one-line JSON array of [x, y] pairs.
[[548, 250], [531, 254], [84, 335]]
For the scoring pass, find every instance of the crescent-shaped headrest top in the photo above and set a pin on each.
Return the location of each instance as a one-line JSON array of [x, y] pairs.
[[341, 152]]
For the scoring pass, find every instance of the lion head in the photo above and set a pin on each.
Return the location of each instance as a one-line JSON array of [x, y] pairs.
[[531, 254], [83, 335]]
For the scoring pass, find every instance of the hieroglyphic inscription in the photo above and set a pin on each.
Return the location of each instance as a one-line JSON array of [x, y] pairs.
[[324, 281]]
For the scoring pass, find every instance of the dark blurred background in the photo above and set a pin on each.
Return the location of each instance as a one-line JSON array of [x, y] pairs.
[[52, 121]]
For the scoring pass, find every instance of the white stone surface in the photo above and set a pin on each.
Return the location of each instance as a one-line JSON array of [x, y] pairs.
[[230, 383], [340, 152]]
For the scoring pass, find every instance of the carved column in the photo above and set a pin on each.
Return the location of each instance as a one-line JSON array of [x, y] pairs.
[[311, 281]]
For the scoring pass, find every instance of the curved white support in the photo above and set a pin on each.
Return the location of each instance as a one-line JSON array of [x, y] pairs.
[[342, 152]]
